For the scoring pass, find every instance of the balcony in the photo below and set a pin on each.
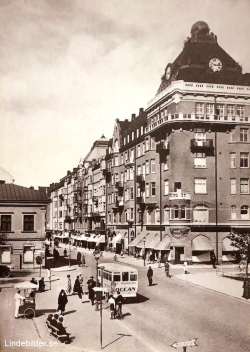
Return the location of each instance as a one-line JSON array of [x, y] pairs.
[[119, 185], [201, 143], [162, 147], [119, 203], [140, 179], [140, 200], [129, 162], [179, 195]]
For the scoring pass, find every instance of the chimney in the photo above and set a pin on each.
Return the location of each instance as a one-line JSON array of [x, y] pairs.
[[31, 187], [141, 111], [2, 182], [132, 117], [126, 120], [68, 172]]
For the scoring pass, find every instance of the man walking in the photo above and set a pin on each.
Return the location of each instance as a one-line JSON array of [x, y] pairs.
[[150, 276], [91, 284], [167, 267], [18, 301]]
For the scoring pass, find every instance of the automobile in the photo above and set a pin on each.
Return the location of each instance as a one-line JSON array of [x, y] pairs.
[[4, 271]]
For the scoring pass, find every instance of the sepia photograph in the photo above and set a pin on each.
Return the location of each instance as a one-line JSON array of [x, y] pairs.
[[124, 176]]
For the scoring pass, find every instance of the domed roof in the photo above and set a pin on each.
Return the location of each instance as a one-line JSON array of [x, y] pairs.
[[200, 27]]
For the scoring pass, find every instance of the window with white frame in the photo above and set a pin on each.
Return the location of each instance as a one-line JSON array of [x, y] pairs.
[[126, 215], [146, 144], [200, 213], [233, 136], [122, 161], [143, 148], [147, 167], [166, 215], [152, 143], [5, 225], [153, 190], [139, 150], [199, 134], [199, 109], [166, 187], [166, 162], [210, 109], [142, 130], [244, 185], [143, 169], [152, 166], [126, 194], [116, 160], [230, 110], [131, 213], [124, 140], [157, 215], [244, 212], [232, 160], [244, 160], [139, 170], [147, 189], [233, 185], [131, 193], [199, 160], [220, 110], [28, 223], [175, 212], [132, 154], [241, 111], [233, 215], [200, 186], [133, 136], [183, 212], [244, 135]]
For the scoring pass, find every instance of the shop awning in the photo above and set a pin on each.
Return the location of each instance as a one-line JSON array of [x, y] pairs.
[[91, 238], [201, 243], [137, 240], [117, 238], [164, 244], [155, 240], [227, 246], [83, 238], [148, 239], [101, 239]]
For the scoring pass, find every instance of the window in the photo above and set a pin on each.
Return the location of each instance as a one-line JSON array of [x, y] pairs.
[[244, 212], [137, 132], [200, 185], [139, 150], [114, 217], [147, 144], [230, 110], [210, 109], [116, 178], [166, 187], [244, 160], [131, 213], [28, 222], [244, 185], [125, 276], [117, 276], [132, 154], [131, 193], [109, 217], [152, 143], [116, 160], [232, 160], [199, 160], [241, 111], [166, 162], [183, 212], [5, 255], [147, 167], [233, 185], [143, 148], [233, 212], [147, 189], [28, 254], [200, 134], [152, 189], [157, 215], [133, 136], [244, 135], [5, 223], [176, 212], [149, 216], [200, 213], [199, 109], [152, 166], [122, 159], [166, 214], [126, 215], [220, 109], [143, 169], [233, 136]]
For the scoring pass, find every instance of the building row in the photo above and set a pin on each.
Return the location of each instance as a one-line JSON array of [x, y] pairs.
[[173, 179]]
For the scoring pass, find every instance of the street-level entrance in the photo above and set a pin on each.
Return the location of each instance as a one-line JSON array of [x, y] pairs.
[[179, 255]]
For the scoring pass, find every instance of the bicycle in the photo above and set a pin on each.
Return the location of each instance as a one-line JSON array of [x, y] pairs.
[[240, 267]]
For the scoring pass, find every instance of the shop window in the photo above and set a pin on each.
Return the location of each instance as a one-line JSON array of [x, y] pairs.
[[5, 223], [28, 223], [28, 255]]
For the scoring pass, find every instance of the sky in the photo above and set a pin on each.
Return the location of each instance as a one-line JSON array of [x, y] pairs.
[[69, 68]]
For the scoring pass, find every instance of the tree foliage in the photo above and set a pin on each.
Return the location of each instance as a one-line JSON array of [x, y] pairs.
[[240, 239]]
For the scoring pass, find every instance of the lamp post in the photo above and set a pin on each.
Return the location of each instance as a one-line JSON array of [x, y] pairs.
[[144, 241], [97, 256]]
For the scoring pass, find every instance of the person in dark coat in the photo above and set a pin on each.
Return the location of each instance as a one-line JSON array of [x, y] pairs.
[[62, 331], [91, 284], [150, 276], [33, 281], [49, 319], [213, 260], [78, 287], [41, 284], [246, 289], [62, 301], [79, 258], [167, 267], [54, 320]]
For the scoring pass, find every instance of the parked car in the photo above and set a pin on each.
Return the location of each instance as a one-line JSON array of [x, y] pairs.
[[4, 271]]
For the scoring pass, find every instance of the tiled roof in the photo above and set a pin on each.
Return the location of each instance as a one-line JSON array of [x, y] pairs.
[[11, 192]]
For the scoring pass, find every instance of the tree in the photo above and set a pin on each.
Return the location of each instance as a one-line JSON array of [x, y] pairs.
[[3, 238], [241, 239]]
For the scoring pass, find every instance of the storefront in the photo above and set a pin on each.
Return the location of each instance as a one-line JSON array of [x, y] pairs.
[[201, 249], [229, 252]]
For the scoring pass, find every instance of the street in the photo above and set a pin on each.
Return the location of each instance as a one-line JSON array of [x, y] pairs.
[[169, 311]]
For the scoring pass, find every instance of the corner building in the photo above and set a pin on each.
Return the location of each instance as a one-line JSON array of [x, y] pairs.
[[178, 173]]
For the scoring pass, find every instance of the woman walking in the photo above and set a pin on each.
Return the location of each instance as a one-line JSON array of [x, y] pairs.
[[62, 301], [68, 286]]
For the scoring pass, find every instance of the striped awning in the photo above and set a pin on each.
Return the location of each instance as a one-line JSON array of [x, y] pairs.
[[91, 238], [100, 239], [137, 240], [148, 239], [164, 244], [201, 243], [227, 246]]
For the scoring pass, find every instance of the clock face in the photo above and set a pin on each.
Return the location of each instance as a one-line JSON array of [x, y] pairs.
[[168, 72], [215, 65]]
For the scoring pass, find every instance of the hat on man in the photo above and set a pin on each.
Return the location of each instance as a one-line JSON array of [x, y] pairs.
[[92, 277]]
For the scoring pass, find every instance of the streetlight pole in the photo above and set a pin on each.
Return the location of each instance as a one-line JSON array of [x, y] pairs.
[[101, 268], [69, 253], [144, 241], [97, 256]]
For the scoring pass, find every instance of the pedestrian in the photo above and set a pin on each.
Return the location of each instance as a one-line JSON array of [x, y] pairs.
[[78, 258], [91, 284], [33, 281], [213, 259], [83, 260], [159, 261], [165, 258], [62, 331], [18, 301], [78, 287], [65, 252], [118, 304], [81, 284], [62, 301], [167, 267], [68, 286], [246, 288], [150, 276], [112, 306], [185, 267], [41, 285]]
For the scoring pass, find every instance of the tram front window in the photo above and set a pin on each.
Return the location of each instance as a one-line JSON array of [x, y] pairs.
[[117, 277], [133, 277], [124, 276]]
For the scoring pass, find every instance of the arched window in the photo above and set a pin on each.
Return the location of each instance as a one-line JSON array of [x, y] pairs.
[[233, 212], [176, 212], [109, 217], [166, 214], [149, 217], [183, 212], [244, 212], [200, 213], [157, 215]]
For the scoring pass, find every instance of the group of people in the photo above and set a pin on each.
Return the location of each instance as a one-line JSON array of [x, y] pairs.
[[115, 303], [77, 288], [40, 283], [81, 259], [56, 322]]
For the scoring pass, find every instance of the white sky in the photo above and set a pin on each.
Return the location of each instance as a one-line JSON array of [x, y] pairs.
[[69, 68]]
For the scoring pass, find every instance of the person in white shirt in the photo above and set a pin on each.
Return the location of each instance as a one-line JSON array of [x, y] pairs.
[[18, 301]]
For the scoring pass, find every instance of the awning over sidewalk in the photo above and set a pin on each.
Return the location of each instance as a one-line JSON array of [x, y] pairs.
[[154, 241], [148, 239], [227, 246], [201, 243], [136, 240], [91, 238], [117, 238], [100, 239], [164, 244]]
